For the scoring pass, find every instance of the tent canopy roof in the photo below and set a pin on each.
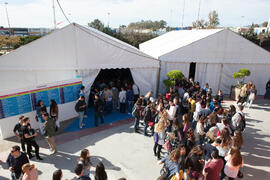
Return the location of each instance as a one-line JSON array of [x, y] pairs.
[[76, 47], [205, 46]]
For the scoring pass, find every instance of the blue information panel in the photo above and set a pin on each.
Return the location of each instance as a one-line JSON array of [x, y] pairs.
[[24, 103], [20, 104], [54, 94], [43, 96], [71, 93]]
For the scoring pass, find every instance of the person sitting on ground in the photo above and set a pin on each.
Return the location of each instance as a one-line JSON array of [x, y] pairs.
[[16, 159], [30, 172], [220, 96], [85, 161], [100, 173], [57, 174], [213, 167], [79, 173]]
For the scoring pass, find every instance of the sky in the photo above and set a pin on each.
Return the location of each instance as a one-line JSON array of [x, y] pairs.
[[39, 13]]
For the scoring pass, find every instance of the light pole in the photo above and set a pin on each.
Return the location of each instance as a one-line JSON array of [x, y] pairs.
[[183, 15], [54, 18], [109, 19], [7, 18], [198, 19]]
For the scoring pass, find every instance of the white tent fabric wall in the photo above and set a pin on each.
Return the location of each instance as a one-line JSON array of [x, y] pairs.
[[145, 79], [168, 66], [208, 73], [260, 74], [88, 78]]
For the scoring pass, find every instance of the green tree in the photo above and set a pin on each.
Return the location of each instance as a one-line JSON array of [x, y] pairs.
[[264, 24], [201, 24], [213, 19], [97, 24]]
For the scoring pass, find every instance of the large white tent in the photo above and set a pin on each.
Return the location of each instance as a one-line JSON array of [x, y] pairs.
[[71, 52], [217, 54]]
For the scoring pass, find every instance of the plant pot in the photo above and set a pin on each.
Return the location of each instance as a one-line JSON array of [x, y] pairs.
[[235, 92]]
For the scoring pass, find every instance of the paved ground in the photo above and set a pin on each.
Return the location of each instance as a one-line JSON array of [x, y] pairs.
[[126, 154]]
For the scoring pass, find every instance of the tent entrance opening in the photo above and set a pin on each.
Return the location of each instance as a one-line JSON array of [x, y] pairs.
[[118, 76], [192, 70]]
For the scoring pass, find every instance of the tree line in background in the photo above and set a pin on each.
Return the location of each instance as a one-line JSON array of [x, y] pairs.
[[133, 35]]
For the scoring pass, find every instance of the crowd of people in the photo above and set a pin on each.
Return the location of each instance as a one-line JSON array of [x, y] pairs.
[[201, 138]]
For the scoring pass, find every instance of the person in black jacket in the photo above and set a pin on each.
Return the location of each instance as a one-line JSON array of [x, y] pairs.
[[16, 159], [98, 110], [80, 108], [29, 137], [18, 132], [147, 116]]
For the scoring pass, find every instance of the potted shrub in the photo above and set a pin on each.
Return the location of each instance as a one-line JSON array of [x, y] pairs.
[[240, 76], [173, 76]]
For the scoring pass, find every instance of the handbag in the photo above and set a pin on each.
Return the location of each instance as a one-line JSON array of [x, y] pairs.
[[164, 172]]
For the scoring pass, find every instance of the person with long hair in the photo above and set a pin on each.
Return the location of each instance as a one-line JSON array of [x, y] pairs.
[[234, 162], [100, 173], [186, 124], [252, 95], [237, 140], [54, 113], [194, 162], [160, 135], [85, 161], [57, 174], [30, 172], [190, 140], [243, 94], [171, 162], [199, 131]]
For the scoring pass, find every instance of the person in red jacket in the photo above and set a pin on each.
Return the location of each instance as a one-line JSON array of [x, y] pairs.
[[214, 166]]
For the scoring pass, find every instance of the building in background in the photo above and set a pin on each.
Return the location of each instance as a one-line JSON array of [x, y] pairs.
[[24, 31]]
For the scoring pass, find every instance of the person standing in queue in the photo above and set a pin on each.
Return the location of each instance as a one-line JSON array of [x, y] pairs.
[[49, 127], [80, 109], [29, 137], [98, 110], [18, 132], [16, 159]]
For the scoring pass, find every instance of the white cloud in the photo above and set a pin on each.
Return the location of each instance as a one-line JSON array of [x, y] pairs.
[[38, 13]]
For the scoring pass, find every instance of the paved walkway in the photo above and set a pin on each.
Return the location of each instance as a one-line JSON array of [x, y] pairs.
[[128, 154]]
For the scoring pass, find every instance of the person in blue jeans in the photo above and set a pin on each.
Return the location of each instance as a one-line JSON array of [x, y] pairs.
[[136, 113], [80, 109], [130, 99]]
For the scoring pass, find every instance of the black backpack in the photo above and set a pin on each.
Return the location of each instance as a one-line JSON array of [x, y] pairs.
[[242, 124]]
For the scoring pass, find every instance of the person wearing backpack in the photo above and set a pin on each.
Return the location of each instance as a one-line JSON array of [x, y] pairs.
[[238, 120], [80, 109], [136, 113]]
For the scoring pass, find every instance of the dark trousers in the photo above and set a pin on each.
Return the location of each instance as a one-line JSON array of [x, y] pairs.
[[157, 149], [122, 107], [100, 115], [136, 97], [23, 145], [31, 143]]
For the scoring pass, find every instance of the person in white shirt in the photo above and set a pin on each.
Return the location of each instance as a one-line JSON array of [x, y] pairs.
[[224, 124], [171, 114], [236, 119], [123, 100]]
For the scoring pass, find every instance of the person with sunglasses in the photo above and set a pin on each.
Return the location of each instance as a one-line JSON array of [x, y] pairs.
[[16, 159]]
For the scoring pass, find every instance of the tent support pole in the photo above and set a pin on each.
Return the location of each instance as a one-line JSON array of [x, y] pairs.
[[158, 79], [220, 77]]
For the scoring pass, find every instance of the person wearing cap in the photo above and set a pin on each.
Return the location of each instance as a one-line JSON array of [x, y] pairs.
[[30, 172], [16, 159]]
